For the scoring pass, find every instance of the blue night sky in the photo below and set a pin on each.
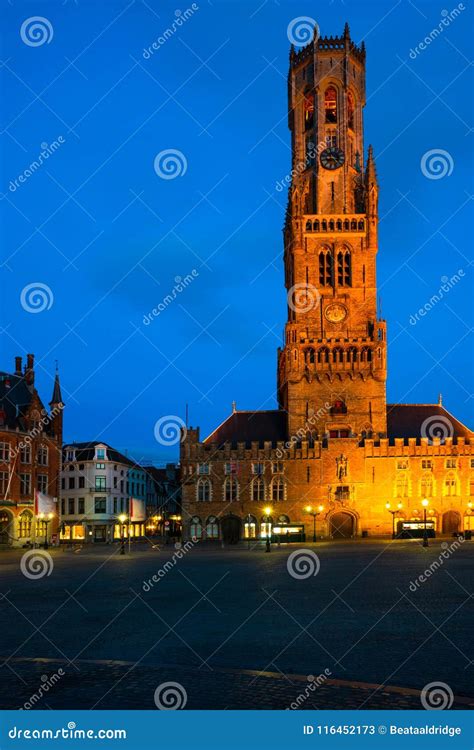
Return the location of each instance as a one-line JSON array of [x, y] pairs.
[[108, 236]]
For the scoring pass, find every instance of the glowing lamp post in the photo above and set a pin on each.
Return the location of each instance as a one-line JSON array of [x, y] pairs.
[[425, 504], [122, 518], [268, 539], [394, 513], [315, 514]]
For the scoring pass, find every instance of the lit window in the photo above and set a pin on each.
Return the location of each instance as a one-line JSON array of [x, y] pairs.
[[426, 463], [212, 528], [330, 104], [350, 111], [402, 463]]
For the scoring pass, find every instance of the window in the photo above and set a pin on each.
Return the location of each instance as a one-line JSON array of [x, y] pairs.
[[402, 463], [3, 482], [81, 506], [426, 463], [326, 268], [472, 463], [344, 268], [43, 483], [100, 465], [278, 490], [100, 483], [231, 490], [230, 468], [71, 506], [212, 528], [203, 468], [24, 524], [115, 483], [4, 452], [63, 507], [42, 456], [401, 487], [71, 467], [338, 407], [195, 528], [63, 484], [71, 483], [450, 486], [338, 433], [257, 469], [115, 505], [265, 529], [277, 467], [309, 356], [100, 453], [308, 109], [100, 505], [451, 463], [258, 490], [331, 140], [204, 490], [350, 111], [330, 104], [25, 454], [426, 486], [69, 455], [25, 484], [81, 483], [250, 527]]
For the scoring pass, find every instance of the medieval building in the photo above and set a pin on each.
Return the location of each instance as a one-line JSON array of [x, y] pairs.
[[334, 454], [30, 458]]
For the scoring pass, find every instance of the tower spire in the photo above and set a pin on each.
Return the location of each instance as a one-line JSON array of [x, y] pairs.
[[56, 397]]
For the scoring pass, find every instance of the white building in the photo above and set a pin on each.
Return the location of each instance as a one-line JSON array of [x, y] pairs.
[[99, 484]]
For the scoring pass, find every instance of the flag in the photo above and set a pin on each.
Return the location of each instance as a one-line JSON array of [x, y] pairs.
[[137, 509], [44, 504]]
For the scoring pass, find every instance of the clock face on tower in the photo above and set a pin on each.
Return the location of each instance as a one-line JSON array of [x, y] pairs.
[[335, 313], [332, 158]]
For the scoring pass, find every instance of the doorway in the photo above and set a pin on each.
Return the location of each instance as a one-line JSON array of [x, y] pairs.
[[230, 526], [342, 526]]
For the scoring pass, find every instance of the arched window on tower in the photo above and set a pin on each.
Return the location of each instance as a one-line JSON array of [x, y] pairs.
[[309, 356], [330, 104], [326, 268], [308, 110], [344, 271], [350, 111]]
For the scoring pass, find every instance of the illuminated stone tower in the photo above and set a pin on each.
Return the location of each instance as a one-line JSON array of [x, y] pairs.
[[332, 369]]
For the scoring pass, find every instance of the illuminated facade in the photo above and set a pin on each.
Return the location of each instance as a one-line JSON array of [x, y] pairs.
[[333, 442]]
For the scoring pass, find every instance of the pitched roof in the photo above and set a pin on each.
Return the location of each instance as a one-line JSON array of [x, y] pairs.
[[86, 452], [423, 420], [15, 398], [250, 426], [56, 397]]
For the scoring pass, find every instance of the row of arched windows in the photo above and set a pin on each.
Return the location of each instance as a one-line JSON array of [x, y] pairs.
[[335, 225], [343, 268], [337, 355], [331, 109], [427, 486], [259, 492]]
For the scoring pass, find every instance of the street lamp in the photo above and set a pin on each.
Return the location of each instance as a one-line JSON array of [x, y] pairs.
[[268, 511], [122, 518], [46, 520], [393, 512], [315, 514], [425, 504]]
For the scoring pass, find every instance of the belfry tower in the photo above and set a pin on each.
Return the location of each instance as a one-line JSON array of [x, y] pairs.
[[332, 369]]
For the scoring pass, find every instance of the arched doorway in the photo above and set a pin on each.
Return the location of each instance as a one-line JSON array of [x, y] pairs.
[[342, 525], [230, 526], [5, 527], [451, 522]]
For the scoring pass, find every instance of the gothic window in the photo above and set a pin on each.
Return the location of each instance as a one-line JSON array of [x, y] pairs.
[[361, 225], [347, 225], [426, 486], [401, 486], [323, 355], [308, 107], [331, 139], [338, 355], [204, 490], [344, 268], [212, 528], [339, 225], [195, 528], [258, 490], [24, 524], [366, 354], [309, 356], [316, 226], [331, 223], [326, 270], [278, 490], [308, 226], [352, 354], [354, 225], [330, 104], [450, 486], [231, 490], [350, 111]]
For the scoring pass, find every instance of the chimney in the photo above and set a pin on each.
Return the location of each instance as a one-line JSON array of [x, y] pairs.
[[18, 366], [29, 369]]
